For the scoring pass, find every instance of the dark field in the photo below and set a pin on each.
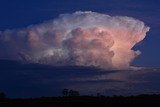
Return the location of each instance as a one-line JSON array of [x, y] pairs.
[[84, 101]]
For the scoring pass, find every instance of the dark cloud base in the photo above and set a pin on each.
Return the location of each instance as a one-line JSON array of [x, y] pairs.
[[33, 80]]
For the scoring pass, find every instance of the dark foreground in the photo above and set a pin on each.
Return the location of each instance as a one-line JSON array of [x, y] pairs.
[[84, 101]]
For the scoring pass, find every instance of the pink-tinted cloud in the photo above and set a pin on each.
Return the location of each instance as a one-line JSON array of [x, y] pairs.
[[81, 38]]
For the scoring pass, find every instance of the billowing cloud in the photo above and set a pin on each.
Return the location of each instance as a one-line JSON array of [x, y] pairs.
[[81, 38]]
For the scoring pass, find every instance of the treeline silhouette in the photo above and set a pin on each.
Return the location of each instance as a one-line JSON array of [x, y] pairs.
[[2, 95], [71, 98], [67, 92]]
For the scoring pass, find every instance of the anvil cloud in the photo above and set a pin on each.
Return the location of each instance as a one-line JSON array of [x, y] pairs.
[[82, 38]]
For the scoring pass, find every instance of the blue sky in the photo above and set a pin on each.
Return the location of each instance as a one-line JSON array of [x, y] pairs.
[[19, 14]]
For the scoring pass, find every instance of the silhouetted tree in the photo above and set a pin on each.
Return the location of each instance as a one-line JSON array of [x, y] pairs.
[[98, 94], [65, 92], [70, 92], [2, 95], [73, 93]]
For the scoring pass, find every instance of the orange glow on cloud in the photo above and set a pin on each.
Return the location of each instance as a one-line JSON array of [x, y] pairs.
[[81, 38]]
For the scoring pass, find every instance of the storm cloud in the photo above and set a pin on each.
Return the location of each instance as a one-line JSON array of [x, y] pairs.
[[82, 38]]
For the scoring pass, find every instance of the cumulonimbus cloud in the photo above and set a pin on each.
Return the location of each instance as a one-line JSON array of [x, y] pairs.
[[82, 38]]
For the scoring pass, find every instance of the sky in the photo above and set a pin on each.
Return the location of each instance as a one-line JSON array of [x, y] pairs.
[[19, 14], [18, 80]]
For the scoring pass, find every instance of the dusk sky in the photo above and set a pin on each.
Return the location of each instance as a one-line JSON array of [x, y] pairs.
[[20, 21], [19, 14]]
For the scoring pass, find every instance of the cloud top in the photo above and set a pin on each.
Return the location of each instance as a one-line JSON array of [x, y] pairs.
[[82, 38]]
